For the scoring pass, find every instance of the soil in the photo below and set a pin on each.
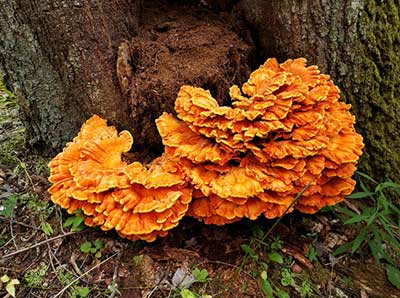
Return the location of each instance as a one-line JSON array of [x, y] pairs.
[[186, 44], [140, 269]]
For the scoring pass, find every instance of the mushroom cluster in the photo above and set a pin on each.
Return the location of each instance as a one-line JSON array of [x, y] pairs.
[[138, 202], [285, 132]]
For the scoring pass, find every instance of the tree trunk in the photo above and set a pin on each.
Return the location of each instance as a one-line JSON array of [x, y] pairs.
[[358, 44], [59, 58], [67, 60]]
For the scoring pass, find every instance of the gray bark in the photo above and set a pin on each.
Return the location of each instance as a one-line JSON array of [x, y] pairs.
[[59, 58]]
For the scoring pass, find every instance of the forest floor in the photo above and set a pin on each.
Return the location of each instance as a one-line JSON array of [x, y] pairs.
[[350, 250], [47, 253]]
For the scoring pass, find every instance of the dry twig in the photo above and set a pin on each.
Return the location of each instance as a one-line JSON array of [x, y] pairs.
[[12, 234], [74, 264], [18, 223], [38, 244], [79, 277], [51, 262]]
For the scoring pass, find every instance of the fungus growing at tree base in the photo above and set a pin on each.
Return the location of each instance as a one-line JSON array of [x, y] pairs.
[[285, 130]]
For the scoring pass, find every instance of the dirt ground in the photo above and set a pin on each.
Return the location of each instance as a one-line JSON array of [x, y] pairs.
[[49, 260], [139, 269]]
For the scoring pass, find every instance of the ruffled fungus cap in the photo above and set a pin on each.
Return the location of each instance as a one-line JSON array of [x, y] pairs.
[[285, 131]]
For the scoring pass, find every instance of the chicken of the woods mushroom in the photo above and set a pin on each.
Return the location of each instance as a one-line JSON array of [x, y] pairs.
[[286, 132]]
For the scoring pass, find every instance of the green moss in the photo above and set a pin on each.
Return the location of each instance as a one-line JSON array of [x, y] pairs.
[[12, 133], [358, 44], [7, 98], [376, 101], [34, 277], [319, 275], [10, 148]]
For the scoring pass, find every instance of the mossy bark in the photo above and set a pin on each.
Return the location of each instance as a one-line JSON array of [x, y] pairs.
[[358, 44], [59, 58]]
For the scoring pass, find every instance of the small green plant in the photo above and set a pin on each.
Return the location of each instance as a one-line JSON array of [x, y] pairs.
[[75, 290], [75, 222], [250, 252], [200, 275], [37, 205], [12, 131], [41, 166], [276, 244], [245, 287], [8, 205], [346, 281], [19, 168], [43, 209], [378, 223], [138, 260], [80, 292], [10, 147], [34, 277], [3, 240], [275, 257], [112, 290], [393, 275], [282, 294], [265, 284], [186, 293], [183, 280], [287, 278], [312, 253], [92, 247], [9, 284], [46, 228], [65, 277], [272, 249], [40, 208], [306, 289]]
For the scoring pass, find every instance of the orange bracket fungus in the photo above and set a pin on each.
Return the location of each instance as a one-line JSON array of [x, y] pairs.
[[285, 129], [138, 202]]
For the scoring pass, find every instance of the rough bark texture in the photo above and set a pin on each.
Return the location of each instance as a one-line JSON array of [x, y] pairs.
[[59, 58], [356, 42]]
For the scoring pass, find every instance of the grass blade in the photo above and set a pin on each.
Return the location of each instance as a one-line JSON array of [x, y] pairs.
[[357, 242], [360, 195], [393, 275], [366, 177]]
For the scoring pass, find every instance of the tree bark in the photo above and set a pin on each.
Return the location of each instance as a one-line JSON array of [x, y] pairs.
[[67, 60], [59, 58], [358, 44]]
